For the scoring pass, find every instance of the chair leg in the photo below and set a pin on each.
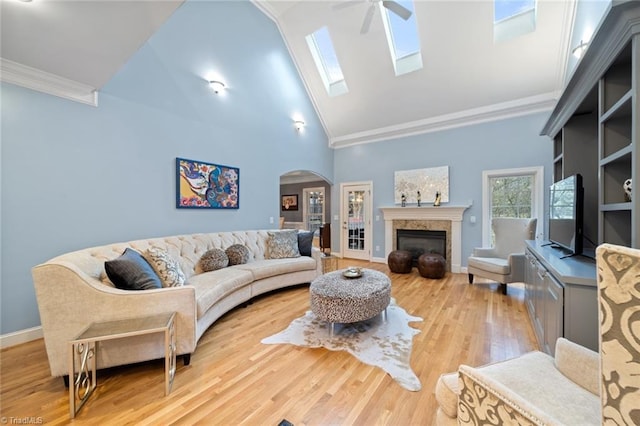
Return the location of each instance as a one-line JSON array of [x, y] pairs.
[[470, 278], [503, 287]]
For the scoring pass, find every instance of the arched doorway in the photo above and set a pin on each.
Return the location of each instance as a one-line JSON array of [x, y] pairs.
[[305, 201]]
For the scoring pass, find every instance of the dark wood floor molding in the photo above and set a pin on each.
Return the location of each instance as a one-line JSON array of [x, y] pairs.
[[234, 379]]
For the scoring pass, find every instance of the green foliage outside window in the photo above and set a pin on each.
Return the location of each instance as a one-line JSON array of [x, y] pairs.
[[512, 196]]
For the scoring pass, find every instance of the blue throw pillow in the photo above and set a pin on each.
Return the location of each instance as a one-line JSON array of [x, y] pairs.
[[131, 271], [305, 241]]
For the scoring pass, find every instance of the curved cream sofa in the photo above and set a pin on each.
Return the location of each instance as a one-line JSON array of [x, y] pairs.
[[73, 291]]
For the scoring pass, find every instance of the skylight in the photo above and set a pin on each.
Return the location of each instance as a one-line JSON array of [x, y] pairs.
[[326, 60], [403, 38], [513, 18]]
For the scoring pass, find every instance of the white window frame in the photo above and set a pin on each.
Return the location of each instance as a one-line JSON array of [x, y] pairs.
[[407, 63], [515, 25], [537, 209], [333, 87]]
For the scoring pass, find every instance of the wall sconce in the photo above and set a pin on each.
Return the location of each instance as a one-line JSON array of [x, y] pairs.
[[579, 49], [299, 125], [217, 86]]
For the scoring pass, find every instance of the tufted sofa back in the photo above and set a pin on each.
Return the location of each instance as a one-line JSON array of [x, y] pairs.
[[188, 249]]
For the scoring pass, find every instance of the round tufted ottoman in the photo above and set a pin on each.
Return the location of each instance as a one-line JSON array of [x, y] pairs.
[[400, 261], [337, 299], [431, 265]]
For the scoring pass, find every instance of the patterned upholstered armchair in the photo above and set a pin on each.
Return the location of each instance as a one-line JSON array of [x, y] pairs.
[[579, 386]]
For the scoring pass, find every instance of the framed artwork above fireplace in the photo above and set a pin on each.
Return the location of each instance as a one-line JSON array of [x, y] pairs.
[[428, 181]]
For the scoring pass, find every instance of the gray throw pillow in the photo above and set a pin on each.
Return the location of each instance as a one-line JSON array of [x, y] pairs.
[[131, 271], [213, 260], [237, 254], [305, 242], [283, 244]]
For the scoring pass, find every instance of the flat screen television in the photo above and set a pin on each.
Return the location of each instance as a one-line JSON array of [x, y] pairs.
[[565, 213]]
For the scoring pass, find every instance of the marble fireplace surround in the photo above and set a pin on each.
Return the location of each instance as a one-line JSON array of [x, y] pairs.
[[442, 218]]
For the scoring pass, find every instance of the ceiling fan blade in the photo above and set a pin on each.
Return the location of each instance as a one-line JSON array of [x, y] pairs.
[[346, 4], [367, 19], [397, 8]]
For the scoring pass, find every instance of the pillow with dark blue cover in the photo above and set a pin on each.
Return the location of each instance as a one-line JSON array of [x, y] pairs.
[[305, 241], [131, 271]]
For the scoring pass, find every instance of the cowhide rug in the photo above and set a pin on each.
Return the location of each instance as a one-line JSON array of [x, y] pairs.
[[375, 342]]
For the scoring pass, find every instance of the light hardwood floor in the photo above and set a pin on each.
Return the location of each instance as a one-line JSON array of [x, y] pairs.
[[234, 379]]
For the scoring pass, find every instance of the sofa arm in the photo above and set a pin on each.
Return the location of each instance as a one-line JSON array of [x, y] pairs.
[[579, 364], [70, 300], [317, 255]]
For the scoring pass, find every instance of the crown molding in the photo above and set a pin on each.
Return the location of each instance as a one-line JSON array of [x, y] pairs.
[[510, 109], [41, 81]]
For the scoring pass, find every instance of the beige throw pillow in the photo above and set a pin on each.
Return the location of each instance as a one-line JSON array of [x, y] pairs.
[[283, 244], [165, 266]]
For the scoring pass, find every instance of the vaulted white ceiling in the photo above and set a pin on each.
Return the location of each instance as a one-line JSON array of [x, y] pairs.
[[466, 77]]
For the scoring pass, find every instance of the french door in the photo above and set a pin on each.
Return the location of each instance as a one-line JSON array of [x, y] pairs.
[[313, 208], [356, 233]]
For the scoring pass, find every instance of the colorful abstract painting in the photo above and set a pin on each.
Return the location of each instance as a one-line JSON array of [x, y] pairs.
[[206, 186]]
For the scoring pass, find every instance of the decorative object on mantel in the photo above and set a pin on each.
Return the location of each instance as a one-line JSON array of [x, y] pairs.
[[205, 185], [424, 181], [438, 199], [403, 200], [419, 198], [627, 190]]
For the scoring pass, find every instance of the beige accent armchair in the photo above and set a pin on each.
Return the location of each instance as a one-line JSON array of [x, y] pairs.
[[504, 262], [578, 386]]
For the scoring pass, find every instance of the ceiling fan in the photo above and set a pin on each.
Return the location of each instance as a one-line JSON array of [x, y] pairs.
[[391, 5]]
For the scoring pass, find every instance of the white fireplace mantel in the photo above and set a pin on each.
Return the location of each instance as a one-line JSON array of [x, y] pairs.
[[450, 213]]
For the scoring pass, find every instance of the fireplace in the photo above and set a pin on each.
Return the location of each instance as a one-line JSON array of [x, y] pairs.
[[419, 241], [443, 218]]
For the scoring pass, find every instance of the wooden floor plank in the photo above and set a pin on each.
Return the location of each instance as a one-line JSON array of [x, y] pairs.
[[235, 379]]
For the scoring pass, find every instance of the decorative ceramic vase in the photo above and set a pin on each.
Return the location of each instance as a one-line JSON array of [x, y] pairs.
[[627, 189]]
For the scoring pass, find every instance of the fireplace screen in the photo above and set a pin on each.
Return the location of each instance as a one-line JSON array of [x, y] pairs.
[[419, 242]]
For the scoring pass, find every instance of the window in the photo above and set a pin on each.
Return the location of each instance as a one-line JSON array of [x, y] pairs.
[[511, 196], [326, 60], [513, 18], [511, 193], [403, 39]]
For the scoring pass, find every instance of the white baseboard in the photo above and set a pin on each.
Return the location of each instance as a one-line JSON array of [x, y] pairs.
[[18, 337]]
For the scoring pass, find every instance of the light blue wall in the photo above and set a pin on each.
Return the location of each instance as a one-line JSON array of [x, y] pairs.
[[75, 176], [468, 151]]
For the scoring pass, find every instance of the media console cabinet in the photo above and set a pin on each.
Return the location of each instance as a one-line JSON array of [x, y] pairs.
[[561, 296]]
